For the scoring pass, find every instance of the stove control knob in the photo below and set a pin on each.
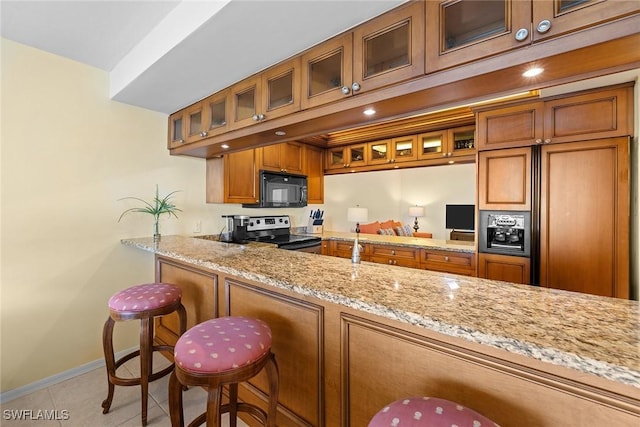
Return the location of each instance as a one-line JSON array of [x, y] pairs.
[[257, 221], [286, 221]]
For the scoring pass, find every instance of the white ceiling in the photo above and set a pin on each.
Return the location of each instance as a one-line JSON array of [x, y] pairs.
[[165, 55]]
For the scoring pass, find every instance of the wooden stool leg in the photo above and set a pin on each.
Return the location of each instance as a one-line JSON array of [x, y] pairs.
[[146, 337], [182, 316], [233, 405], [175, 401], [274, 386], [213, 407], [110, 361]]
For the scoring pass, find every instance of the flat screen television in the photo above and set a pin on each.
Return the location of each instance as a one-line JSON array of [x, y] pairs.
[[460, 217]]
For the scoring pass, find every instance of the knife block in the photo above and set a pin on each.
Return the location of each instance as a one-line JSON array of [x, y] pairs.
[[314, 228]]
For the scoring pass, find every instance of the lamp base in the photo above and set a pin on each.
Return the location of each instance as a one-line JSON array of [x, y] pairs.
[[415, 225]]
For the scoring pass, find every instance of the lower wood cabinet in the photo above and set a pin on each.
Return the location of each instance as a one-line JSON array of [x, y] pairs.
[[504, 267], [406, 256], [344, 249], [448, 261], [395, 255]]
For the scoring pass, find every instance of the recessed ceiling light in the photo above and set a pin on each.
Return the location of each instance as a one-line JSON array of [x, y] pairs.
[[225, 146], [369, 112], [532, 72], [280, 133]]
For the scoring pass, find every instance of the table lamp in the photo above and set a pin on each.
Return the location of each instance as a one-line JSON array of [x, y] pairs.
[[416, 212], [357, 215]]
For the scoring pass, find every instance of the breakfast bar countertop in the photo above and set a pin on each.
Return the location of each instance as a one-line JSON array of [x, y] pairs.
[[586, 333]]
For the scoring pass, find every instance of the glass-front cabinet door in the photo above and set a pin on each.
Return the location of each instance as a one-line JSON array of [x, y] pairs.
[[246, 96], [347, 157], [432, 145], [217, 110], [389, 49], [195, 125], [326, 69], [467, 30], [176, 129], [379, 152], [462, 141], [555, 17], [401, 149], [404, 148], [281, 87]]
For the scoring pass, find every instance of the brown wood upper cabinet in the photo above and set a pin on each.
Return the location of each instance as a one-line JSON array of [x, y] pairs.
[[234, 177], [588, 115], [206, 118], [286, 157], [447, 143], [314, 169], [426, 149], [351, 156], [380, 52], [401, 149], [462, 31], [270, 94], [504, 179]]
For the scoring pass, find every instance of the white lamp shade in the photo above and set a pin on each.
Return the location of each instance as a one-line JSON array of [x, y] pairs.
[[416, 211], [357, 214]]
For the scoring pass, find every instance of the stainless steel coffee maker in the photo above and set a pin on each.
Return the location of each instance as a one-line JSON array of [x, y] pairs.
[[236, 228]]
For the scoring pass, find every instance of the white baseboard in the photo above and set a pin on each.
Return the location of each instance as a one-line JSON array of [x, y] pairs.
[[10, 395]]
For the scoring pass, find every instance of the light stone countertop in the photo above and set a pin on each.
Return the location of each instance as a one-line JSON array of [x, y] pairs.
[[595, 335]]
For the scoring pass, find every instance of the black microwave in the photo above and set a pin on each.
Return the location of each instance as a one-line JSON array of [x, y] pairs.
[[281, 190]]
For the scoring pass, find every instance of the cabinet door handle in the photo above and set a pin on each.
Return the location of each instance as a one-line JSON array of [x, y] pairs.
[[355, 87], [543, 26], [345, 90], [181, 141], [547, 141], [203, 134], [393, 252], [446, 259], [522, 34], [538, 141]]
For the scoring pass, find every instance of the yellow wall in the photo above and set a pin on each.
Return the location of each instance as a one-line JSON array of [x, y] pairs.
[[68, 153]]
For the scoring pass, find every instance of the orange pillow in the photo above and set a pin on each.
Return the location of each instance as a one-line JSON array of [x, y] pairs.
[[388, 224], [371, 228]]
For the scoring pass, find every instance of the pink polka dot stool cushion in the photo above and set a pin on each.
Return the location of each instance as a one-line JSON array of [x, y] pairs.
[[145, 297], [428, 412], [222, 344]]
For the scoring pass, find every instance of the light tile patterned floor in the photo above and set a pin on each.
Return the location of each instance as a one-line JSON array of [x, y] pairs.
[[81, 398]]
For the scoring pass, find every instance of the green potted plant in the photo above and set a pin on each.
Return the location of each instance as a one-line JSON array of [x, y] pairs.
[[156, 207]]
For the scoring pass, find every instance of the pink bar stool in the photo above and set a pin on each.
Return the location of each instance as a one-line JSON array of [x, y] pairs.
[[219, 352], [428, 412], [144, 303]]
